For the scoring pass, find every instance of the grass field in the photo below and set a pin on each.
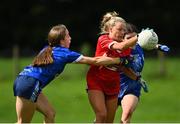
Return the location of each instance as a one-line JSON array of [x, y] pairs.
[[68, 96]]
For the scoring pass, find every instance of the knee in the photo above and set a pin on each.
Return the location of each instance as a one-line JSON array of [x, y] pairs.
[[51, 114], [101, 117], [128, 113], [126, 116]]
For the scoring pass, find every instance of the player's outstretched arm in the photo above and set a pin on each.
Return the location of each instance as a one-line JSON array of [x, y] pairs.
[[101, 60], [125, 44], [129, 72]]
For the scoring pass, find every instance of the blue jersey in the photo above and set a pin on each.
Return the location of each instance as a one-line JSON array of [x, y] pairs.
[[45, 74], [128, 85]]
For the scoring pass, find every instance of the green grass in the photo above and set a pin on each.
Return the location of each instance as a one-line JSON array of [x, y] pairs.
[[68, 95]]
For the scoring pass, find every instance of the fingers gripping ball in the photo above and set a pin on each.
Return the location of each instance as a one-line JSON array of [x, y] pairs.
[[148, 39]]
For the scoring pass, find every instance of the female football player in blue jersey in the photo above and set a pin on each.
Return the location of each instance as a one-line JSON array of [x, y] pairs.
[[48, 64], [130, 89]]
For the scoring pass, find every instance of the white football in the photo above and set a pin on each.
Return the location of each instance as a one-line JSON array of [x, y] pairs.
[[148, 39]]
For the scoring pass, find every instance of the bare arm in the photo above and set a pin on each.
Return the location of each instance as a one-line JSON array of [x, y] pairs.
[[102, 60], [129, 72], [126, 43]]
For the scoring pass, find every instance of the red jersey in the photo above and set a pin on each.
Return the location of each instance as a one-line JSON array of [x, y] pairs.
[[103, 47], [106, 75]]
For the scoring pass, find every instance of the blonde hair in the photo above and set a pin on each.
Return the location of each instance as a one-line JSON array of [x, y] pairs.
[[56, 34], [109, 20], [114, 20]]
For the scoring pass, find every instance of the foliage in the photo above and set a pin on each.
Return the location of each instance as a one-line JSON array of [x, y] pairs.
[[27, 23]]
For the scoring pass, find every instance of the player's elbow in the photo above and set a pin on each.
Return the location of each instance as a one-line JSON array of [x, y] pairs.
[[121, 46]]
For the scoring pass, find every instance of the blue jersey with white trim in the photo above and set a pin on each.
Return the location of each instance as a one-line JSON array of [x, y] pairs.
[[61, 56], [136, 65]]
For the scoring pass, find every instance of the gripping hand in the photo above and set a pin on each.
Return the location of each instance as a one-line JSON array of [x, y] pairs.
[[143, 85], [125, 61], [163, 48]]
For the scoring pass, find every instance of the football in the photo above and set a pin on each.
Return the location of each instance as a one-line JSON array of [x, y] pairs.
[[147, 39]]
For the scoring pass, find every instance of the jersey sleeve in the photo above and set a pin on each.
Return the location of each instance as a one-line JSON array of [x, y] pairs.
[[73, 56], [105, 42]]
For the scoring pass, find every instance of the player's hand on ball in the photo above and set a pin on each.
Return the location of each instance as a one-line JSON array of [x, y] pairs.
[[163, 48], [143, 85]]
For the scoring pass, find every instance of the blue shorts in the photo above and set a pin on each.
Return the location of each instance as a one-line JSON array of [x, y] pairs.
[[132, 87], [27, 87]]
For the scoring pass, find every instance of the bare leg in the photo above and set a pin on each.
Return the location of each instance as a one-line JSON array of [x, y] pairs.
[[129, 103], [97, 101], [25, 110], [111, 105], [45, 108]]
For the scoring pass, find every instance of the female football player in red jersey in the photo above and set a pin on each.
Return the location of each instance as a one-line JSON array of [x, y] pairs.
[[103, 82]]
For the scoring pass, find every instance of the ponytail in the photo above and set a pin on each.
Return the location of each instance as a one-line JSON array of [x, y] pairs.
[[44, 57], [55, 35]]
